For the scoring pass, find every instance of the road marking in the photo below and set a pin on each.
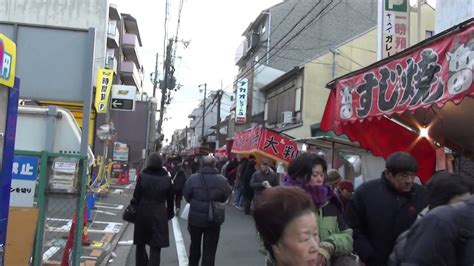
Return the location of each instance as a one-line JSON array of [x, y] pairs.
[[104, 212], [115, 207], [180, 247], [61, 229], [50, 252], [110, 228]]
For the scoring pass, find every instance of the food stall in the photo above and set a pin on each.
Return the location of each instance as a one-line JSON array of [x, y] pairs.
[[265, 143], [419, 100], [353, 162]]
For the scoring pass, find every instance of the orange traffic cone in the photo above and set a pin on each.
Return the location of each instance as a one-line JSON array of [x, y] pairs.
[[85, 235], [127, 180], [120, 179]]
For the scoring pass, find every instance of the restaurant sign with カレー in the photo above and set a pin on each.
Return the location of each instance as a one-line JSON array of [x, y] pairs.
[[396, 27]]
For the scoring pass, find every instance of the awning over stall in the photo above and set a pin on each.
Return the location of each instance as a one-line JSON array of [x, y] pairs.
[[263, 142], [413, 101]]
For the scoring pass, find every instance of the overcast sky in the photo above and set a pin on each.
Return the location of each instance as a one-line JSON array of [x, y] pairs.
[[214, 29]]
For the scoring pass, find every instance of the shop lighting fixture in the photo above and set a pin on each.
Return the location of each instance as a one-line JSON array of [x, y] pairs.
[[304, 147], [424, 132]]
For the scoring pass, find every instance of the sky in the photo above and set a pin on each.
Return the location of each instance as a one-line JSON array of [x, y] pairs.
[[213, 29]]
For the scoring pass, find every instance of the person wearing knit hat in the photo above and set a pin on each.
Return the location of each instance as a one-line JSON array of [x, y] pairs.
[[345, 189], [334, 178]]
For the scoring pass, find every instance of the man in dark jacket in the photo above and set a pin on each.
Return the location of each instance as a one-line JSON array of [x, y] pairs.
[[445, 236], [199, 226], [264, 178], [382, 209]]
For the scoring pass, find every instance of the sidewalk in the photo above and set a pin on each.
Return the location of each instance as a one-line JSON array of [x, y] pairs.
[[107, 226]]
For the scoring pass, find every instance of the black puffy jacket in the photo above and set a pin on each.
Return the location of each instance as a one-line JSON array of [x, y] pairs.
[[194, 193], [445, 236], [378, 214]]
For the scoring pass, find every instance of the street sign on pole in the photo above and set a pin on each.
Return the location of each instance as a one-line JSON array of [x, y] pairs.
[[123, 98]]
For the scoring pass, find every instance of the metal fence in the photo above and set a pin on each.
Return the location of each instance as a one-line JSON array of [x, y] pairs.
[[60, 199]]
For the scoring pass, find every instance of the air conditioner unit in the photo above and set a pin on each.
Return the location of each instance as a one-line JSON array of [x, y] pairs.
[[287, 117]]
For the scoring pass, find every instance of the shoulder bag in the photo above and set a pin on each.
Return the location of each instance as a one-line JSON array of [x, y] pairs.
[[216, 212], [130, 213]]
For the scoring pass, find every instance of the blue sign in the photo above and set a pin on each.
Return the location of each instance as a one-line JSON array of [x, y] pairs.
[[24, 168]]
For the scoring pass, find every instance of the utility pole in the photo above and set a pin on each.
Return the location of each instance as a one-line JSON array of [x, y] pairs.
[[218, 131], [155, 79], [164, 86], [203, 112]]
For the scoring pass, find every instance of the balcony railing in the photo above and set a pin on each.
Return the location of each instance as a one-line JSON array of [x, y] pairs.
[[130, 74], [130, 47]]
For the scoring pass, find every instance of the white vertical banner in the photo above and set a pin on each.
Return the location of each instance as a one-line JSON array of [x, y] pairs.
[[395, 28], [241, 101]]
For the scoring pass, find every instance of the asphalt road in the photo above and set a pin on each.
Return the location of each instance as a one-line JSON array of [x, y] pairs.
[[237, 244]]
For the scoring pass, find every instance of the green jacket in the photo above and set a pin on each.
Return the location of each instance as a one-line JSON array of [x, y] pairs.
[[333, 230]]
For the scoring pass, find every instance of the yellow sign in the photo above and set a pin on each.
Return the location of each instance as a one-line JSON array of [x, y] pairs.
[[104, 84], [7, 61]]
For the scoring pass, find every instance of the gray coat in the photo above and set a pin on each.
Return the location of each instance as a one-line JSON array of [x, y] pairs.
[[194, 193]]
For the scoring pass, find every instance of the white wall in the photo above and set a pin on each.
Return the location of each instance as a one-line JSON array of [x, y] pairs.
[[63, 13], [452, 12]]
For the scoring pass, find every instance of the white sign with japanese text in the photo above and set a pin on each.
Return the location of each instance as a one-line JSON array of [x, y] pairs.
[[241, 101], [395, 27], [22, 193], [24, 174]]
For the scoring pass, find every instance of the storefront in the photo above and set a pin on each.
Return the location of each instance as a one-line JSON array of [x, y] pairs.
[[419, 100]]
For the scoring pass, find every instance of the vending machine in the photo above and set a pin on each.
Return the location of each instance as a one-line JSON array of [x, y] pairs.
[[9, 94]]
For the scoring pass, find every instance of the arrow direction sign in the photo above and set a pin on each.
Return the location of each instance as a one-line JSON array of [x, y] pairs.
[[116, 103], [123, 98]]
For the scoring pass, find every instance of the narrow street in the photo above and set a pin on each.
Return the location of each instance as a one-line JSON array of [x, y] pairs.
[[237, 244]]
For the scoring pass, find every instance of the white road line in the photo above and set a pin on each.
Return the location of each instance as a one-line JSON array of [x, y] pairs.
[[180, 247], [116, 207], [104, 212], [50, 252]]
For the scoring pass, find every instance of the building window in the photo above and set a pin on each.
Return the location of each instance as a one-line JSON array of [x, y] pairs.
[[298, 100], [428, 34], [278, 104], [265, 116], [263, 28]]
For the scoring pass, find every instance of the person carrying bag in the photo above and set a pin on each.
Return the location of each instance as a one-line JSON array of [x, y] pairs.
[[216, 212], [207, 192]]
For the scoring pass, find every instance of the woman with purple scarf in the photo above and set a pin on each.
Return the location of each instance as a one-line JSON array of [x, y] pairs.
[[308, 171]]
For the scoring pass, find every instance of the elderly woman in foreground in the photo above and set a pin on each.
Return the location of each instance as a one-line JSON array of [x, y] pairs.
[[286, 222]]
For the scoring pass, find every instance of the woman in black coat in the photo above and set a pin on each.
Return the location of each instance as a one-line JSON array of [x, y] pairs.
[[153, 197]]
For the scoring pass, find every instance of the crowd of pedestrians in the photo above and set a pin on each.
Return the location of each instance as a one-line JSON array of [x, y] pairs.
[[311, 215]]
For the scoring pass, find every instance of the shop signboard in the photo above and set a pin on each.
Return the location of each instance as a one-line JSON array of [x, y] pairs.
[[103, 86], [7, 61], [435, 73], [123, 97], [266, 143], [241, 101], [395, 26], [24, 174], [120, 152]]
